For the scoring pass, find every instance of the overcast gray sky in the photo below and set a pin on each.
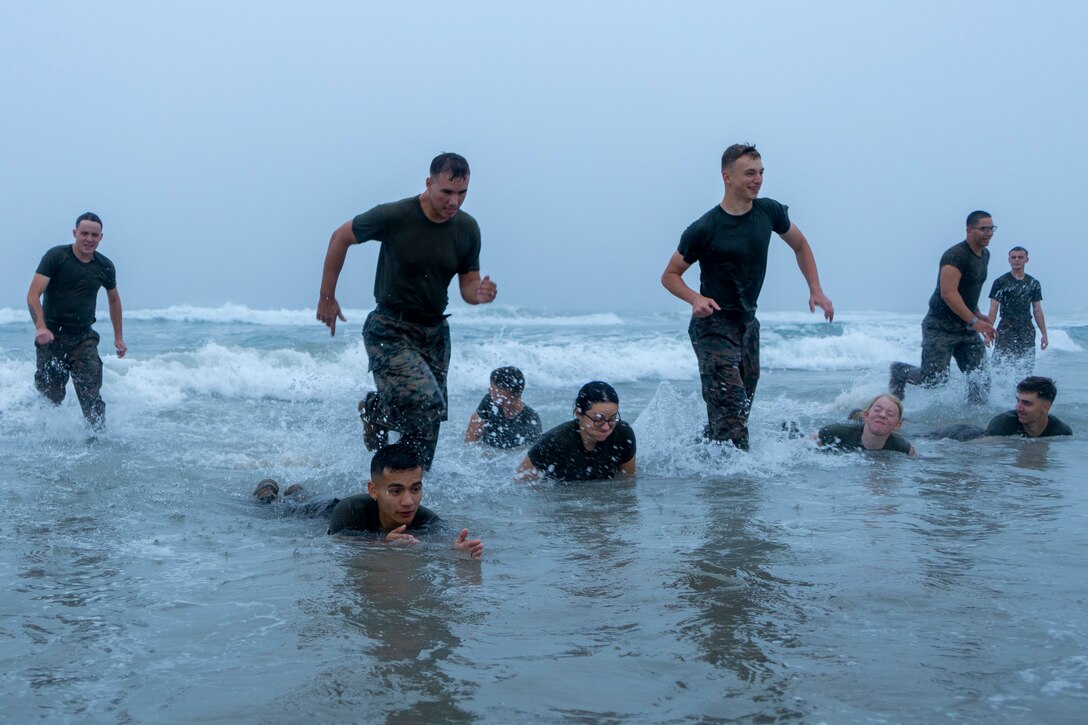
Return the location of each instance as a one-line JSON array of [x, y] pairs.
[[222, 142]]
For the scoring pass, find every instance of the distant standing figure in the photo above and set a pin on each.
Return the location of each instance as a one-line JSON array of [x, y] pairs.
[[1019, 297], [502, 419], [426, 240], [597, 444], [1031, 418], [730, 243], [62, 300], [954, 327]]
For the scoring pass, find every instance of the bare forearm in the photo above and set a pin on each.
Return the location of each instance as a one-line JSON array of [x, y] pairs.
[[675, 284], [115, 318], [335, 256], [1040, 321], [36, 313], [806, 262]]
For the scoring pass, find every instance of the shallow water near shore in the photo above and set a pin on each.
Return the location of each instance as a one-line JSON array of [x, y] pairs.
[[785, 584]]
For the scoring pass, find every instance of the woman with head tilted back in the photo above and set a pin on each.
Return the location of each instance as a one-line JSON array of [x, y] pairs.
[[596, 444], [878, 430]]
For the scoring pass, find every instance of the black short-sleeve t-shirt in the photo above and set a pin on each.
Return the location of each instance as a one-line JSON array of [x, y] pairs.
[[1016, 296], [502, 432], [418, 257], [360, 513], [847, 437], [732, 253], [972, 269], [560, 454], [1007, 424], [72, 291]]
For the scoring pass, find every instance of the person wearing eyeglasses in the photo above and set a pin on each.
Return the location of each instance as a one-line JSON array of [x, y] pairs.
[[597, 444], [954, 328], [1019, 297]]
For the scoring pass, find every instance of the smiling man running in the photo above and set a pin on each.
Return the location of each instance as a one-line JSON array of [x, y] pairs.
[[730, 243]]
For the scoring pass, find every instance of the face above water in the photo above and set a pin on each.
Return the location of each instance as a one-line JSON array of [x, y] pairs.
[[445, 195], [398, 494], [981, 232], [87, 237], [1030, 408], [599, 421], [745, 177], [883, 417]]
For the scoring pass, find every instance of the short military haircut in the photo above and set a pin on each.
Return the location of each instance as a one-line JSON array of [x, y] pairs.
[[1018, 249], [596, 391], [394, 457], [452, 164], [1043, 387], [508, 378], [973, 217], [736, 151], [88, 216]]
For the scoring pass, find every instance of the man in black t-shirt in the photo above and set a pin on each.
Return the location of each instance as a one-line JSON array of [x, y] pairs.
[[954, 327], [391, 506], [1019, 297], [1031, 418], [502, 419], [426, 240], [61, 300], [730, 243]]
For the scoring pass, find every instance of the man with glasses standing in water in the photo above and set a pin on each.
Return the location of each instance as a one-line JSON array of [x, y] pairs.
[[730, 243], [954, 327], [425, 241], [62, 300]]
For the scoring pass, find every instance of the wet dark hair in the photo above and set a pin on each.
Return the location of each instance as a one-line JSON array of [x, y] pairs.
[[448, 163], [974, 216], [595, 392], [508, 378], [1043, 387], [88, 216], [736, 151], [1018, 249], [394, 457]]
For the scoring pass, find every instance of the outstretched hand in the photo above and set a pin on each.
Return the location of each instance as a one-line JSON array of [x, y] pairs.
[[471, 547], [397, 536], [819, 299], [328, 310]]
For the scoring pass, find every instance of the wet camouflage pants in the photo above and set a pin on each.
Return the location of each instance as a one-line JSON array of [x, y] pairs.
[[728, 356], [410, 363], [74, 355], [943, 341], [1014, 346]]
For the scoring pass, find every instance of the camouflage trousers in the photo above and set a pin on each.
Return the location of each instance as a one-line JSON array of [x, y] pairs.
[[728, 356], [1014, 346], [410, 363], [943, 341], [72, 354]]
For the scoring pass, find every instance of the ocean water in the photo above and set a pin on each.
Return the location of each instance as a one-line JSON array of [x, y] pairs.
[[143, 584]]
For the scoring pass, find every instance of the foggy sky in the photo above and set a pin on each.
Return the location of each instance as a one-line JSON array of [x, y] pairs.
[[223, 142]]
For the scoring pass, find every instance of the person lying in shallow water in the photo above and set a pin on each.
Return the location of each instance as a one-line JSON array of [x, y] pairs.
[[878, 429], [597, 444], [1030, 418], [390, 508]]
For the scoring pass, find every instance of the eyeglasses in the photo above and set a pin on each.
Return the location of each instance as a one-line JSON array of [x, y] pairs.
[[986, 230], [599, 421]]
